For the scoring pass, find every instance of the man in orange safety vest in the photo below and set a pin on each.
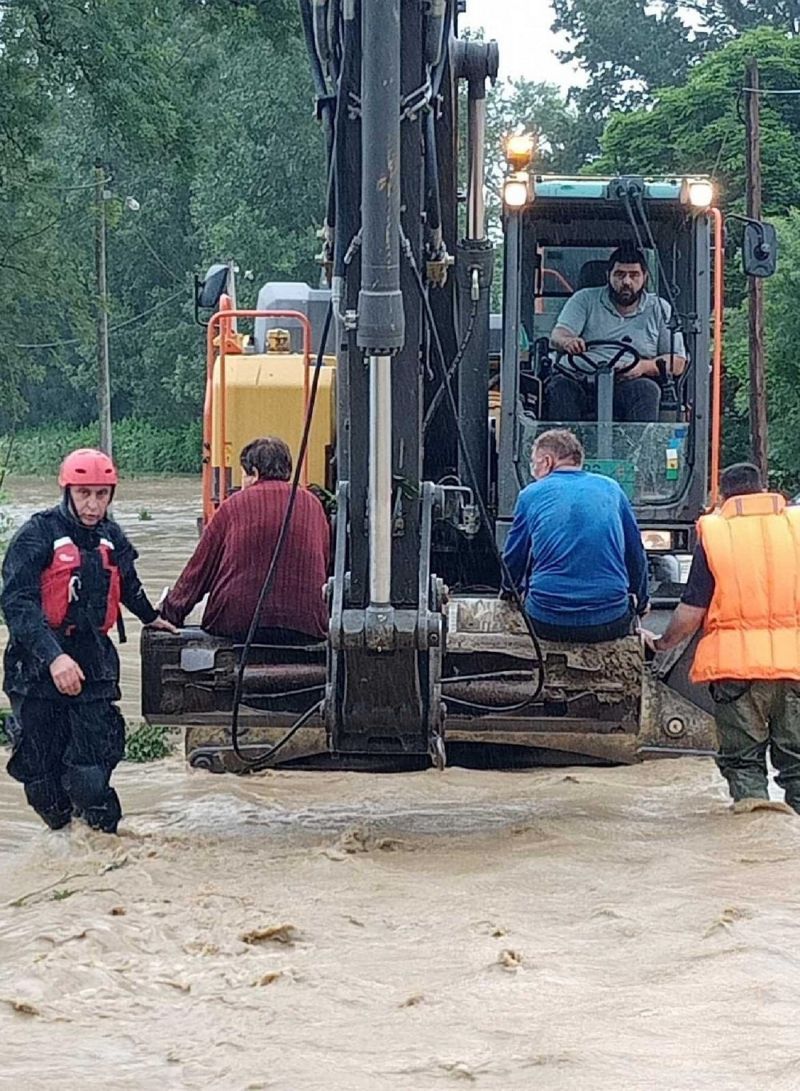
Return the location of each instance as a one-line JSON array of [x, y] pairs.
[[744, 589]]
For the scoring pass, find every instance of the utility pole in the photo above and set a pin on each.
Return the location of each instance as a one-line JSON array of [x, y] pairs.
[[758, 399], [103, 372]]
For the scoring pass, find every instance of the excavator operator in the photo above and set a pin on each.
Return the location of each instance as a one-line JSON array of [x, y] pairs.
[[622, 311]]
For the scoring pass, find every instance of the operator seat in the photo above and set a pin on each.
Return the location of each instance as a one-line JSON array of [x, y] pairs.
[[593, 274]]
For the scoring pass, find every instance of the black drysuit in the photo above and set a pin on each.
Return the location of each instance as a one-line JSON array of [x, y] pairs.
[[65, 748]]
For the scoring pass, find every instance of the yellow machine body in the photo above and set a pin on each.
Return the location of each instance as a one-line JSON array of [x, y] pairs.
[[264, 396]]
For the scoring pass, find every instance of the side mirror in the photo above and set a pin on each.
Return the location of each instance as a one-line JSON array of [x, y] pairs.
[[759, 249], [209, 290]]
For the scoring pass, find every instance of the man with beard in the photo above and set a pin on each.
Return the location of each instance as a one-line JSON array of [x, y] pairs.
[[622, 310]]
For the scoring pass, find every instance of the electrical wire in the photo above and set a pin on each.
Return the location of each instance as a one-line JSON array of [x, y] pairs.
[[770, 91], [155, 254], [46, 187], [474, 483], [113, 329], [486, 676], [270, 576]]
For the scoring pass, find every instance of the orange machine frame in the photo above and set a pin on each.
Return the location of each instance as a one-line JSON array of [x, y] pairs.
[[222, 320]]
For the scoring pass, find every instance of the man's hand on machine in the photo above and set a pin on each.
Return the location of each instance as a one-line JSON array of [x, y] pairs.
[[162, 625], [644, 369], [68, 678], [572, 345]]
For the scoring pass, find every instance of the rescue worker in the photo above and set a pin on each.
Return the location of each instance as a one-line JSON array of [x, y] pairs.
[[235, 551], [65, 574], [574, 548], [622, 310], [744, 589]]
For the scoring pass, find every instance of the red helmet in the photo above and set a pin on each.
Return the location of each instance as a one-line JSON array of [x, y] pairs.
[[87, 467]]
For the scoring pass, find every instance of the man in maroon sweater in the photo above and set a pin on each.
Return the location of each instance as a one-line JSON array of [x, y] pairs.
[[235, 552]]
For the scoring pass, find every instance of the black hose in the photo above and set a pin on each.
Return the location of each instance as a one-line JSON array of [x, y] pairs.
[[282, 533], [263, 760], [433, 200], [317, 74], [459, 356], [626, 200], [344, 173], [674, 321], [474, 483]]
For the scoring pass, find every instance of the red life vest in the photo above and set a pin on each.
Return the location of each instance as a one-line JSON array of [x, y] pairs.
[[62, 582]]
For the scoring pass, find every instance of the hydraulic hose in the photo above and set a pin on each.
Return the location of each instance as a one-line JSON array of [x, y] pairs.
[[459, 356], [474, 484], [266, 587]]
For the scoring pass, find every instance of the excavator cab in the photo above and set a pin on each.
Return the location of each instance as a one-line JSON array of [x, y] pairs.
[[561, 243]]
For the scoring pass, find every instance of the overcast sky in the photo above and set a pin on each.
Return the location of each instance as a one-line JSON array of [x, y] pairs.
[[522, 27]]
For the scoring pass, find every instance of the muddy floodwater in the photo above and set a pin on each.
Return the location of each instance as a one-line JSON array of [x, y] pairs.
[[589, 929]]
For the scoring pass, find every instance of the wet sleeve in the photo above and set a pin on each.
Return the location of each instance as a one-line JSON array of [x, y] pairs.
[[701, 583], [134, 597], [666, 344], [635, 556], [27, 557], [198, 576], [574, 313], [517, 551]]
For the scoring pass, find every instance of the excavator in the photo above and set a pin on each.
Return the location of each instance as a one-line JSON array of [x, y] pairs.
[[412, 409]]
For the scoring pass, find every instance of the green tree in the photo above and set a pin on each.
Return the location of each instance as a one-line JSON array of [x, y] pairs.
[[724, 19], [174, 98], [628, 49], [541, 108], [698, 127], [624, 47], [782, 318]]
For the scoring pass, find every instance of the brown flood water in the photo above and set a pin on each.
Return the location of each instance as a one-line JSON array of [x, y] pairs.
[[588, 929]]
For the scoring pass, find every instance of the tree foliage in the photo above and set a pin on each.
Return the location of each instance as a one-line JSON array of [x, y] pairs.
[[624, 47], [699, 127], [629, 49], [201, 112]]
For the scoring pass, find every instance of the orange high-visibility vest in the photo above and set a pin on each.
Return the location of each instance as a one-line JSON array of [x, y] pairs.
[[752, 628]]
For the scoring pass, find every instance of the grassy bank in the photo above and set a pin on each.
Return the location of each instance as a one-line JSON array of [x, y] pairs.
[[140, 447]]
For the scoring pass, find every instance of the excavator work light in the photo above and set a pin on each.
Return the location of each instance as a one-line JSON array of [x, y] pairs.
[[519, 150], [699, 192], [517, 190]]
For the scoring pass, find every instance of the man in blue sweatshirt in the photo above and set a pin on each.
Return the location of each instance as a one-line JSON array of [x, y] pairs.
[[574, 550]]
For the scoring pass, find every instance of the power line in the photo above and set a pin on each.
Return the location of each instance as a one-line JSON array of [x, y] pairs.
[[143, 238], [770, 91], [113, 329], [75, 189]]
